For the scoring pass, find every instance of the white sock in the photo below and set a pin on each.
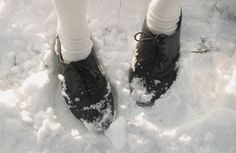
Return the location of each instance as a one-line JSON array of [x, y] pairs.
[[163, 16], [73, 29]]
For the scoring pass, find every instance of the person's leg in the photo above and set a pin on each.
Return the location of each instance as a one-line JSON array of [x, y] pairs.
[[153, 67], [163, 16], [73, 29], [84, 87]]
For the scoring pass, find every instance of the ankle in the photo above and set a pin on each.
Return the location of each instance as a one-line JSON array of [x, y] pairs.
[[73, 50], [163, 16]]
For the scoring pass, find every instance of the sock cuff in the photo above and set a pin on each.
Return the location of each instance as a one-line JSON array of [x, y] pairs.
[[79, 54]]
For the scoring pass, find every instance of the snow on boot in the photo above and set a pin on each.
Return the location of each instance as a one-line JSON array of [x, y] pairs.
[[86, 91], [153, 68]]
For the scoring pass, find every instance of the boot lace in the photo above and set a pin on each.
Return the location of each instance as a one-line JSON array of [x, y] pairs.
[[155, 48], [87, 75]]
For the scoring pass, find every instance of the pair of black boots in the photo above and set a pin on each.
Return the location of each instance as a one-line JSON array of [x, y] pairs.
[[153, 70]]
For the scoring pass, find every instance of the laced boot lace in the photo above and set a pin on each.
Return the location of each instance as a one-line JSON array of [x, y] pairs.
[[89, 76], [155, 48]]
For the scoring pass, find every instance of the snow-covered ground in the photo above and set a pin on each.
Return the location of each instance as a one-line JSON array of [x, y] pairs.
[[197, 115]]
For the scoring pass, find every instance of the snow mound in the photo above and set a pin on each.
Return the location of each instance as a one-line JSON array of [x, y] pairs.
[[117, 133]]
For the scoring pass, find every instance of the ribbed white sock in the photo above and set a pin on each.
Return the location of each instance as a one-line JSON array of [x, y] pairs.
[[163, 16], [73, 29]]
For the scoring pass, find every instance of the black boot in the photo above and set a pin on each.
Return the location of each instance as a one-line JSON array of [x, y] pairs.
[[86, 91], [153, 67]]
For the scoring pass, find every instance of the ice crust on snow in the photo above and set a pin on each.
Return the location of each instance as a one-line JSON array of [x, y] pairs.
[[117, 133], [196, 115]]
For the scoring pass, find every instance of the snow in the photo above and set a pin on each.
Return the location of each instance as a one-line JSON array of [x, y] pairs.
[[117, 133], [198, 113], [139, 92]]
